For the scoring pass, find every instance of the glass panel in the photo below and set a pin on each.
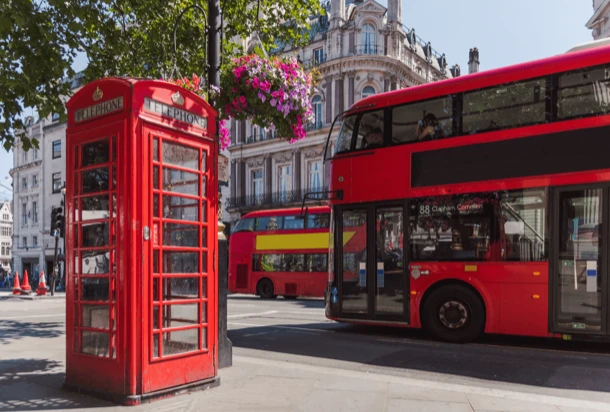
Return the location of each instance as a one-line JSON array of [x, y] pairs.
[[317, 262], [204, 237], [76, 244], [114, 177], [179, 155], [505, 106], [95, 234], [114, 205], [390, 276], [180, 288], [180, 262], [113, 148], [524, 220], [155, 205], [156, 345], [180, 315], [204, 156], [269, 223], [95, 289], [155, 177], [96, 153], [580, 260], [355, 290], [95, 343], [95, 262], [155, 149], [155, 292], [180, 341], [461, 227], [204, 185], [204, 262], [344, 140], [204, 287], [76, 316], [204, 312], [179, 181], [76, 260], [293, 223], [95, 316], [75, 184], [95, 180], [180, 208], [204, 207], [370, 130], [432, 119], [584, 93], [155, 261], [244, 225], [155, 317], [96, 207], [205, 337], [318, 221], [176, 234]]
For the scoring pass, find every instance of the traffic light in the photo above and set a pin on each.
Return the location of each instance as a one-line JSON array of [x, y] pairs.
[[57, 220]]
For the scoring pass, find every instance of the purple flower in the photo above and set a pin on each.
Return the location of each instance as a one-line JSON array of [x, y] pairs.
[[273, 102]]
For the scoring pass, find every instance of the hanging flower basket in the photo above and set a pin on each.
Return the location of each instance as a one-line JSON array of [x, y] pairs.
[[272, 93]]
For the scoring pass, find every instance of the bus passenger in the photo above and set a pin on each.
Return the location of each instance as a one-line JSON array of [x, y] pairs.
[[374, 138], [427, 129]]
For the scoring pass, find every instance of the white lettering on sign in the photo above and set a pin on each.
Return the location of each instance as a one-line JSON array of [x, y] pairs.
[[100, 109], [174, 113]]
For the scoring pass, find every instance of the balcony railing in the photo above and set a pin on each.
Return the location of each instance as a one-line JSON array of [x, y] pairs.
[[314, 62], [261, 137], [268, 200]]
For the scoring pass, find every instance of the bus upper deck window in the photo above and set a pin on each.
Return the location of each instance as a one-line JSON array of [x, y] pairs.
[[370, 130], [346, 134], [244, 225]]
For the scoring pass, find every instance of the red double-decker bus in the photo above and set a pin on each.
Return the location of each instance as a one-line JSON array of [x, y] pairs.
[[486, 202], [280, 252]]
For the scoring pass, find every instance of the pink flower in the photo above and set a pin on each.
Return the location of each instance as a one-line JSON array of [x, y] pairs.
[[255, 83]]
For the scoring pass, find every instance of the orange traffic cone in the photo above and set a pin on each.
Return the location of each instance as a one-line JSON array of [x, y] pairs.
[[26, 289], [42, 285], [16, 287]]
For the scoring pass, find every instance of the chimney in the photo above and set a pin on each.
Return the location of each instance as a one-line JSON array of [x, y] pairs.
[[395, 12], [473, 61], [337, 13], [456, 71]]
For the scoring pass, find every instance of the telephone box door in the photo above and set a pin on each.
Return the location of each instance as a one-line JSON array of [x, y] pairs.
[[179, 281]]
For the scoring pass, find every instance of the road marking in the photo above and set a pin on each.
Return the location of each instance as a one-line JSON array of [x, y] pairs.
[[32, 316], [428, 384], [252, 315]]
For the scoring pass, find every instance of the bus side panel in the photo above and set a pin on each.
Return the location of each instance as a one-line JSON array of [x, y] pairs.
[[240, 263]]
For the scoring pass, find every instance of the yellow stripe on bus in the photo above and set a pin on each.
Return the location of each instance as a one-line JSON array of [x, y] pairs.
[[297, 241]]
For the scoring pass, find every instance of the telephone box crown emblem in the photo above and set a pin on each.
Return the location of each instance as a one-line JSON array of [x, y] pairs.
[[97, 94], [177, 98]]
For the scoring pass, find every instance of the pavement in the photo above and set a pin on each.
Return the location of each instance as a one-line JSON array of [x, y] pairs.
[[288, 357]]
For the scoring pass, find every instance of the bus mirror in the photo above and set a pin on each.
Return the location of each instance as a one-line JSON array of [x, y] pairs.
[[304, 214], [514, 228]]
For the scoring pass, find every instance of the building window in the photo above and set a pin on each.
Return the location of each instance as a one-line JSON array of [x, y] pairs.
[[25, 156], [35, 181], [57, 182], [35, 211], [284, 181], [368, 91], [3, 251], [56, 149], [318, 55], [317, 111], [315, 175], [369, 39], [257, 183], [24, 214], [35, 154], [25, 241], [5, 217], [55, 117], [34, 240], [24, 183]]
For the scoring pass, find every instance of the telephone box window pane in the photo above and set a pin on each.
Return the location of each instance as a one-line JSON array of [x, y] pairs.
[[205, 338], [75, 184], [95, 316], [96, 207], [155, 177], [180, 262], [156, 290], [204, 312], [180, 208], [179, 181], [175, 234], [114, 177], [76, 211], [156, 149], [179, 315], [204, 287], [113, 148], [156, 317], [76, 244], [95, 235], [204, 158], [204, 216], [114, 205], [155, 205], [96, 153], [180, 342], [95, 180], [95, 343], [204, 262], [179, 155], [204, 237], [76, 317], [156, 346], [180, 288], [155, 261], [95, 289], [204, 183], [76, 261], [95, 262]]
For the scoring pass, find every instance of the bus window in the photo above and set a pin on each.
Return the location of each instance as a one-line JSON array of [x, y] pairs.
[[584, 93], [505, 106], [244, 225], [370, 130], [317, 262], [344, 140], [293, 223], [318, 221], [431, 119], [268, 223]]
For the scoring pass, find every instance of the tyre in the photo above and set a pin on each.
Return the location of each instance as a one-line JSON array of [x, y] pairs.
[[264, 289], [454, 313]]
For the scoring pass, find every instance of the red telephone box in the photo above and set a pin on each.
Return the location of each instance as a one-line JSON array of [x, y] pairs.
[[141, 239]]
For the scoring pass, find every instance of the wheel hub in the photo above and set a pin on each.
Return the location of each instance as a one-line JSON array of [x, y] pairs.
[[453, 314]]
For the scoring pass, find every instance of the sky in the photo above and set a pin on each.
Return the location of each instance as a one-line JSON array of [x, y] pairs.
[[506, 32]]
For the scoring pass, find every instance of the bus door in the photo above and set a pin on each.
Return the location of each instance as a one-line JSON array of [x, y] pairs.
[[579, 264], [372, 276]]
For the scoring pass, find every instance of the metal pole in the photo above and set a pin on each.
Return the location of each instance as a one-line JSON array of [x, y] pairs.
[[52, 276]]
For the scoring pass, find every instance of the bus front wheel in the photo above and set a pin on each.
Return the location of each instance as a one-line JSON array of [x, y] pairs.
[[454, 313], [264, 289]]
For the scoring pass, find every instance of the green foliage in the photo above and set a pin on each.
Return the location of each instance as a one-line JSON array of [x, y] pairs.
[[39, 40]]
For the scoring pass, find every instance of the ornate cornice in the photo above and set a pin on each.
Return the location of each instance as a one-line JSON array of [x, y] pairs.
[[283, 157], [255, 162], [313, 153]]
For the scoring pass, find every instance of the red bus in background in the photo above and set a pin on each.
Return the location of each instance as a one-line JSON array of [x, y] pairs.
[[486, 198], [279, 252]]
